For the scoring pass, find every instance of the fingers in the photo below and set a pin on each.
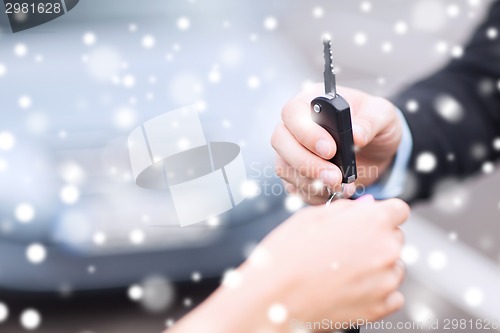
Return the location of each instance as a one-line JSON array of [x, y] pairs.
[[305, 162], [297, 119], [371, 116], [311, 191], [289, 188], [395, 211], [289, 174], [394, 302], [388, 298]]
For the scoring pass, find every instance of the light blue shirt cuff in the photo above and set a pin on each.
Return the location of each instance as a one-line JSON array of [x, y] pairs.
[[393, 185]]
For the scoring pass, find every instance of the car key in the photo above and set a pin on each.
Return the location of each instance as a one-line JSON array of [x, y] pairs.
[[333, 113]]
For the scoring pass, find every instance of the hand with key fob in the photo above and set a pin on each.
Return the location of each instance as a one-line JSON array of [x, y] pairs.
[[304, 148]]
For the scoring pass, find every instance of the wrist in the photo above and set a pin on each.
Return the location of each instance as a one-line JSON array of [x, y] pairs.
[[234, 307]]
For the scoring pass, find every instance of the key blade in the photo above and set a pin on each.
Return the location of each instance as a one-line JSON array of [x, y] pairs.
[[329, 73]]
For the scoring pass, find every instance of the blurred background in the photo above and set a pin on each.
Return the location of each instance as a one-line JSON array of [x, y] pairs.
[[83, 249]]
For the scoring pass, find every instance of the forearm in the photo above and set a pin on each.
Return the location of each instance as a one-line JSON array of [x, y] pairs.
[[455, 115], [239, 308]]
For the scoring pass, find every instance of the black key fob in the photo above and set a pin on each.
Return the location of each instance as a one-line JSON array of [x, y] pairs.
[[334, 115]]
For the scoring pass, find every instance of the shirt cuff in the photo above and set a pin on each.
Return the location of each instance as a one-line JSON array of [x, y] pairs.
[[392, 184]]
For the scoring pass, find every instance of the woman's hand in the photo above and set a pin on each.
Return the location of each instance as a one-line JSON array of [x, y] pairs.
[[338, 263], [304, 148]]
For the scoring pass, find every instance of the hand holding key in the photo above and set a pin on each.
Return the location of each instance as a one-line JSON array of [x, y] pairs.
[[304, 148]]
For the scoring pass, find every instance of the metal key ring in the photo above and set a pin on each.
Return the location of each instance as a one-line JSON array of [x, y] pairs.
[[333, 195]]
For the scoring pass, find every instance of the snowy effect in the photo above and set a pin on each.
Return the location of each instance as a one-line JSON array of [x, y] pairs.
[[71, 97]]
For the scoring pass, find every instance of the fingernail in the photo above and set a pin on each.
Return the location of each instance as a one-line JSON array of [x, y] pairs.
[[349, 190], [329, 177], [366, 197], [324, 148]]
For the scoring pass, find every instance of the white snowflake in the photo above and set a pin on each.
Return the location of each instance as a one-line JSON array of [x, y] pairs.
[[360, 38], [253, 82], [277, 313], [318, 12], [387, 47], [24, 212], [36, 253], [401, 27], [24, 102], [135, 292], [187, 302], [293, 203], [137, 237], [250, 189], [7, 141], [412, 106], [30, 319], [232, 279], [437, 260], [421, 313], [128, 81], [196, 276], [270, 23], [474, 297], [99, 238], [426, 162], [442, 47], [365, 6], [449, 108], [488, 167], [4, 312], [124, 118], [148, 41], [214, 75], [69, 194], [132, 27], [89, 38], [183, 23], [20, 50], [457, 51], [496, 144], [410, 254], [453, 10], [492, 33]]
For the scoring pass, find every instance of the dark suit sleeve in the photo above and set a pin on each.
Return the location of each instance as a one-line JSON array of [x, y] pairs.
[[458, 115]]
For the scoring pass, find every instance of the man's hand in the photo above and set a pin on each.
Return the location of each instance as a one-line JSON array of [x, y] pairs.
[[304, 148]]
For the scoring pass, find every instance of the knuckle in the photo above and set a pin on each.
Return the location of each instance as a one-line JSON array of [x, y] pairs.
[[305, 167], [400, 236], [286, 110], [383, 103], [401, 207], [394, 251], [391, 284], [279, 170], [276, 136]]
